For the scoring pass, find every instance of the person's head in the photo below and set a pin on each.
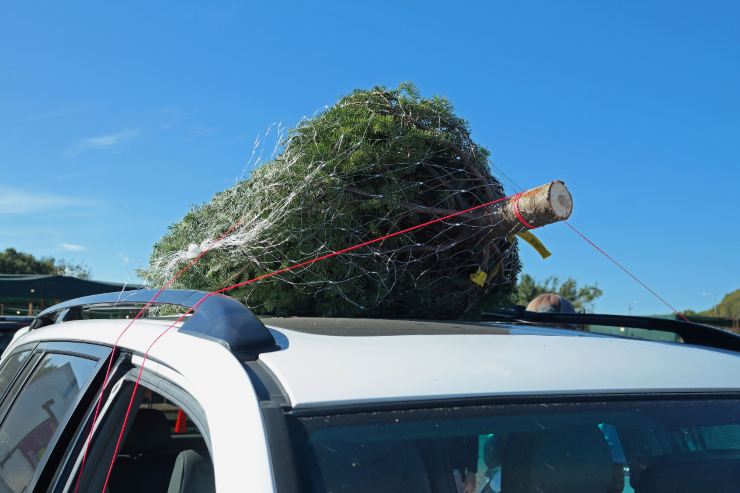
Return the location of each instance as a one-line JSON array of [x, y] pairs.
[[550, 302]]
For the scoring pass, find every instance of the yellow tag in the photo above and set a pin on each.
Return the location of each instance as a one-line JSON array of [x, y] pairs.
[[479, 278], [530, 238]]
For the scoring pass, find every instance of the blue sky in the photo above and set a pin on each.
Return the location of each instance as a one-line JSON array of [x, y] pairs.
[[116, 118]]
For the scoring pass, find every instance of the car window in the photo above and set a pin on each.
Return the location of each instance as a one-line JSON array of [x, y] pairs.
[[39, 410], [615, 447], [163, 449], [10, 367]]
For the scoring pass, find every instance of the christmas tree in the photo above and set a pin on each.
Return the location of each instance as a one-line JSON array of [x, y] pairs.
[[376, 162]]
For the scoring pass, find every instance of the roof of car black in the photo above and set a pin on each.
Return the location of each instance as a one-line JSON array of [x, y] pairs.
[[374, 327], [369, 327]]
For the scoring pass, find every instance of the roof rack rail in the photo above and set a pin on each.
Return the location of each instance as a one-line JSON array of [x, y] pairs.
[[218, 317], [690, 332]]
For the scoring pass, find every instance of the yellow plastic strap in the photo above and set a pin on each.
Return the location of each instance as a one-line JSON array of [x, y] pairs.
[[530, 238], [479, 278]]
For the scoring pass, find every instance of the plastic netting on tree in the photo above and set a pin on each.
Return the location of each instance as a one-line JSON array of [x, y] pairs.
[[376, 162]]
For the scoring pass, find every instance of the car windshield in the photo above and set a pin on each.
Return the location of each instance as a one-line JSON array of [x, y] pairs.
[[609, 446]]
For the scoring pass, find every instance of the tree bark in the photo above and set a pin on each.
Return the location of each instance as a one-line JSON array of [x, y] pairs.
[[537, 207]]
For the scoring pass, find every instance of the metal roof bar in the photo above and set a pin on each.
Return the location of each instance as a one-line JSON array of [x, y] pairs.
[[218, 317], [690, 332]]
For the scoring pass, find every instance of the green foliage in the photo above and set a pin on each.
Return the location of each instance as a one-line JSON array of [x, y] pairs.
[[729, 307], [582, 298], [15, 262], [376, 162]]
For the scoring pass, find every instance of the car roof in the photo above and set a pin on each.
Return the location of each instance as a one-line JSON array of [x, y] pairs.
[[318, 365]]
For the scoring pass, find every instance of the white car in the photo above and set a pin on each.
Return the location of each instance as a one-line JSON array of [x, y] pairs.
[[227, 402]]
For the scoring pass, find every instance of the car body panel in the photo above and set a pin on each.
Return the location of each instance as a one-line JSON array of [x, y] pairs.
[[359, 370]]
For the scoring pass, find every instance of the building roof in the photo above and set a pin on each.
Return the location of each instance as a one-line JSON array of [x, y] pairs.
[[17, 287]]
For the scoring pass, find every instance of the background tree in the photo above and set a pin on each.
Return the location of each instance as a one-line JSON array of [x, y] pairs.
[[14, 262], [729, 307], [582, 298]]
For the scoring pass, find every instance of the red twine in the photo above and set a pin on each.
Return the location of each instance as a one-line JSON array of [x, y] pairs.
[[515, 207]]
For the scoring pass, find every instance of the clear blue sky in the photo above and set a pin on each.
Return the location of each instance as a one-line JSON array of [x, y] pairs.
[[116, 118]]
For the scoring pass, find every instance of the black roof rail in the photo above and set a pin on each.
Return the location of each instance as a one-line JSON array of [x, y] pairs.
[[690, 332], [218, 317]]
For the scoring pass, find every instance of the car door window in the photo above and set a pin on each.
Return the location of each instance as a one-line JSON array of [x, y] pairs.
[[39, 410], [10, 367], [163, 450]]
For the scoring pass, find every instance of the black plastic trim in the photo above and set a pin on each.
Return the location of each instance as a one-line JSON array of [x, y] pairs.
[[273, 402], [73, 348], [282, 459], [265, 384], [508, 399], [690, 332]]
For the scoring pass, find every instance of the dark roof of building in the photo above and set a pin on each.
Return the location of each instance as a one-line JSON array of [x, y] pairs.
[[18, 287]]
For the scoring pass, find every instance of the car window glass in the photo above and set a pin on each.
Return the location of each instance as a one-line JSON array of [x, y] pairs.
[[721, 437], [39, 410], [10, 368], [611, 446], [164, 450]]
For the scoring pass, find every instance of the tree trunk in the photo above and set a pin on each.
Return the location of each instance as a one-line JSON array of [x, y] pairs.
[[534, 208]]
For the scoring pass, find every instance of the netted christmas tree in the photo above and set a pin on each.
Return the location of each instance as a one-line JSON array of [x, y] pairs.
[[376, 162]]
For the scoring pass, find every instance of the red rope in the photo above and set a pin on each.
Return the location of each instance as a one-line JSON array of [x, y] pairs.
[[515, 208], [600, 250]]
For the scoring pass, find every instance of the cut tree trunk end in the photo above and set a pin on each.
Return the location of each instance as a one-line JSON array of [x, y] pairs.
[[539, 206]]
